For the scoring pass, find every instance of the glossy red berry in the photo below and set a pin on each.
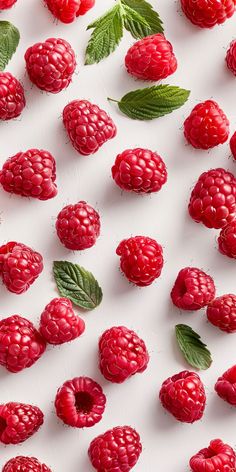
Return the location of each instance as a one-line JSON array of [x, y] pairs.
[[78, 226], [18, 422], [183, 396], [213, 199], [193, 289], [217, 457], [88, 126], [225, 386], [25, 464], [30, 174], [121, 354], [221, 312], [207, 126], [232, 144], [227, 240], [231, 57], [50, 65], [64, 10], [85, 6], [151, 58], [139, 170], [80, 402], [141, 259], [5, 4], [116, 450], [208, 13], [12, 96]]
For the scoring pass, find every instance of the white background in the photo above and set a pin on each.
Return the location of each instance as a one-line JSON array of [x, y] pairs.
[[167, 444]]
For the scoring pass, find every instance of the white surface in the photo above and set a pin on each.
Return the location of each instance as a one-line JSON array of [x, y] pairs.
[[166, 443]]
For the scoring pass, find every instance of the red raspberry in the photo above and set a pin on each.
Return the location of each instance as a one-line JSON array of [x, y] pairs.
[[232, 144], [64, 10], [208, 13], [51, 64], [20, 266], [78, 226], [88, 126], [30, 174], [151, 58], [12, 97], [227, 240], [218, 457], [193, 289], [21, 345], [59, 324], [213, 199], [207, 126], [116, 450], [80, 402], [18, 422], [25, 464], [5, 4], [121, 354], [139, 170], [141, 259], [221, 312], [231, 57], [183, 395], [85, 6], [226, 386]]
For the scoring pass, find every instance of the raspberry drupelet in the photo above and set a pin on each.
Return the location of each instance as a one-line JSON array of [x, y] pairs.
[[12, 96], [208, 13], [25, 464], [18, 422], [225, 386], [231, 57], [221, 312], [193, 289], [217, 457], [227, 240]]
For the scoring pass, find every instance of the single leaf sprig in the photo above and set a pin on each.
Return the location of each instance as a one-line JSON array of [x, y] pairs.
[[9, 40], [193, 349]]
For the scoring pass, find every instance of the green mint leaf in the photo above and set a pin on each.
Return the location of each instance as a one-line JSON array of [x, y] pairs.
[[9, 40], [193, 349], [145, 10], [135, 23], [108, 31], [77, 284], [152, 102]]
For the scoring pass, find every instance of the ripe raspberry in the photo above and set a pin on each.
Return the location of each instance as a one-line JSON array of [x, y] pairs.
[[140, 171], [21, 345], [207, 126], [183, 395], [59, 324], [78, 226], [151, 58], [117, 449], [20, 266], [80, 402], [218, 457], [213, 199], [25, 464], [18, 422], [193, 289], [231, 57], [121, 354], [85, 6], [227, 240], [5, 4], [208, 13], [30, 174], [232, 144], [51, 64], [64, 10], [141, 259], [226, 386], [88, 126], [12, 97], [221, 312]]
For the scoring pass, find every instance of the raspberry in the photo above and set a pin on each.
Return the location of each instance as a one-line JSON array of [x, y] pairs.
[[64, 10], [20, 266], [21, 345], [231, 57], [30, 174], [85, 6], [117, 450], [51, 64], [18, 422], [121, 354], [59, 323], [183, 395], [221, 312], [232, 144], [151, 58], [208, 13], [227, 240], [80, 402], [140, 171], [12, 97], [141, 259], [213, 199], [5, 4], [218, 457], [193, 289], [78, 226], [207, 126], [226, 386], [88, 126], [25, 464]]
